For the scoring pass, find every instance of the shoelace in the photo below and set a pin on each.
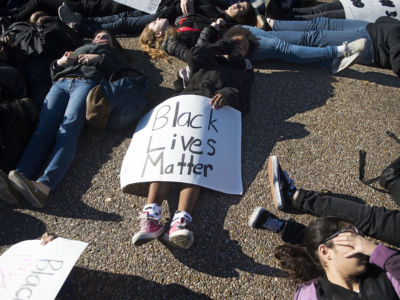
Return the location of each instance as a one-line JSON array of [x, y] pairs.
[[182, 225], [290, 181], [143, 217]]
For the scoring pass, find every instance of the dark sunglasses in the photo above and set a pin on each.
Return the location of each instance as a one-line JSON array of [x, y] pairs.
[[350, 228]]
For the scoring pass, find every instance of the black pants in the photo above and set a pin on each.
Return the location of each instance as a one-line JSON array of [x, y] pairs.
[[333, 10], [88, 8], [377, 222]]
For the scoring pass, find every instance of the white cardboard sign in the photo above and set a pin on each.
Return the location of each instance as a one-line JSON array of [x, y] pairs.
[[184, 140], [148, 6], [371, 10], [31, 271]]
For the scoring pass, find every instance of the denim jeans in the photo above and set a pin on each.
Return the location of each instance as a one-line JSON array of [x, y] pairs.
[[271, 47], [61, 120], [322, 32], [328, 10], [129, 22], [377, 222]]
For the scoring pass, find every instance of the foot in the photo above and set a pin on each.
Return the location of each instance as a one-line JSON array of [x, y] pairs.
[[354, 47], [282, 186], [181, 234], [150, 228], [262, 219], [340, 64], [7, 192], [34, 192], [67, 15]]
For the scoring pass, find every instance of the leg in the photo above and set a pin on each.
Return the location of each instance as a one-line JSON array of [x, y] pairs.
[[319, 24], [188, 198], [318, 9], [157, 192], [334, 14], [51, 115], [68, 133], [129, 25], [274, 48], [377, 222]]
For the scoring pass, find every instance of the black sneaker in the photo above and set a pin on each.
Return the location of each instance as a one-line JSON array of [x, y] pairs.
[[263, 219], [282, 186]]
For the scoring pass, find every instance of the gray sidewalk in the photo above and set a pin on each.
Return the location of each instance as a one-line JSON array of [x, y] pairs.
[[313, 121]]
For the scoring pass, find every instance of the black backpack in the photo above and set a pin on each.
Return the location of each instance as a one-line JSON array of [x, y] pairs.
[[389, 180]]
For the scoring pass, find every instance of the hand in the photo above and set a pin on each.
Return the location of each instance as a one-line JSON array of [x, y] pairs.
[[47, 238], [187, 6], [8, 38], [221, 22], [41, 20], [357, 242], [217, 101], [66, 61], [89, 59]]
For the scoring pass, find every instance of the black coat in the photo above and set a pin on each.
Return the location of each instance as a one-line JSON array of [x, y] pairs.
[[53, 38], [211, 73], [192, 30], [385, 35]]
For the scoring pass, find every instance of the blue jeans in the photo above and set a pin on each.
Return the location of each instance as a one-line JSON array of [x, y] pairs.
[[322, 32], [129, 22], [271, 47], [61, 119]]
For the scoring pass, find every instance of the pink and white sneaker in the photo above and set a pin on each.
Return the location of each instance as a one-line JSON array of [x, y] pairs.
[[181, 234], [150, 228]]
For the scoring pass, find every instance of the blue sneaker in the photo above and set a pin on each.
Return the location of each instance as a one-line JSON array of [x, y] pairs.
[[282, 186]]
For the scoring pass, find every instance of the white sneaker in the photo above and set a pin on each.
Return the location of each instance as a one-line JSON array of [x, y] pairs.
[[339, 64], [67, 15], [354, 47]]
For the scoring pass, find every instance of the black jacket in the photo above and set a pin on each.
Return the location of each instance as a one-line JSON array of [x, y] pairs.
[[192, 30], [171, 9], [385, 35], [211, 73], [112, 60], [53, 38]]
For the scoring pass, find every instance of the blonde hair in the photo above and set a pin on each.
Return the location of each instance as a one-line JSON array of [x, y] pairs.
[[152, 44]]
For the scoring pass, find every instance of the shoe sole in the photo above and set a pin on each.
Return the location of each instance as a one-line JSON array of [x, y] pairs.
[[273, 175], [254, 216], [5, 193], [347, 62], [183, 240], [20, 185], [141, 239]]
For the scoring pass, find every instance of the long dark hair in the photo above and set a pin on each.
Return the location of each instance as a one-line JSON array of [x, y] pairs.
[[302, 261]]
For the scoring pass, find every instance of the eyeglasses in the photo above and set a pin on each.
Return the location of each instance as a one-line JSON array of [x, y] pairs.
[[350, 228]]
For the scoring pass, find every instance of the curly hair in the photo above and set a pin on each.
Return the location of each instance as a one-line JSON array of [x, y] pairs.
[[239, 30], [152, 44], [302, 261]]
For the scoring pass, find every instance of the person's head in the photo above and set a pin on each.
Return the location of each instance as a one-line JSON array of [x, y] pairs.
[[153, 35], [34, 18], [105, 37], [242, 13], [246, 42], [319, 254]]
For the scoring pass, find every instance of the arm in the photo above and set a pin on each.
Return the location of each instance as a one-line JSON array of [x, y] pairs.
[[387, 259], [177, 48], [239, 97]]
